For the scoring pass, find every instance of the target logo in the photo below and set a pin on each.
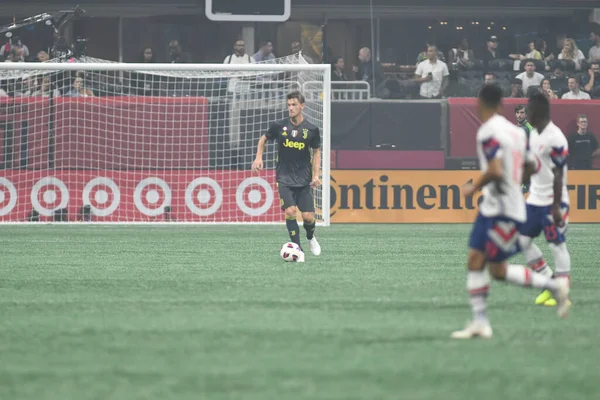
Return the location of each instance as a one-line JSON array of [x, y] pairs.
[[254, 196], [203, 196], [8, 196], [151, 196], [49, 194], [102, 195]]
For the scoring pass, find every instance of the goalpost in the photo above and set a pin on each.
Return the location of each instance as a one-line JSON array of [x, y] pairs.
[[138, 143]]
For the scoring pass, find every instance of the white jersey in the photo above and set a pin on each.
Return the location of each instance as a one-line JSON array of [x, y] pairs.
[[498, 138], [548, 150]]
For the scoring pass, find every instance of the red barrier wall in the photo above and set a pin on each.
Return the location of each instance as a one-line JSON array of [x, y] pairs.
[[112, 132], [389, 159], [464, 121], [215, 196]]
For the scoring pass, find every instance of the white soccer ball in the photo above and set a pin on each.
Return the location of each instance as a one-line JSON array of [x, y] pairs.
[[290, 252]]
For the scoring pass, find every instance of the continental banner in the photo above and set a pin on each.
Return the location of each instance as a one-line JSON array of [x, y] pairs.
[[395, 196]]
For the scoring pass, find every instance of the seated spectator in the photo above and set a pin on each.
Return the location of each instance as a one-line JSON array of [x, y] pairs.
[[176, 55], [42, 56], [337, 70], [559, 80], [591, 81], [489, 78], [583, 146], [594, 53], [297, 48], [264, 53], [432, 74], [491, 52], [12, 43], [79, 90], [570, 51], [516, 88], [530, 77], [574, 92], [15, 55], [535, 51], [461, 55], [546, 89], [46, 90]]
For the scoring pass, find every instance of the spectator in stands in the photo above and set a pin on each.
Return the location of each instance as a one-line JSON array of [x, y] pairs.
[[45, 89], [516, 88], [546, 89], [42, 56], [239, 55], [147, 55], [594, 53], [265, 52], [491, 52], [461, 55], [369, 70], [79, 89], [12, 43], [570, 51], [15, 55], [574, 92], [145, 84], [432, 74], [337, 70], [583, 146], [176, 55], [489, 78], [559, 80], [591, 81], [297, 48], [560, 40], [535, 51], [423, 55], [530, 77]]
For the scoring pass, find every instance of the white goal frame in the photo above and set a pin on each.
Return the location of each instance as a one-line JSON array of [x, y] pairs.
[[164, 67]]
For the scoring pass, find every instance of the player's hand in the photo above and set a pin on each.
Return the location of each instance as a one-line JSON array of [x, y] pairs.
[[468, 189], [557, 216], [315, 182], [257, 165]]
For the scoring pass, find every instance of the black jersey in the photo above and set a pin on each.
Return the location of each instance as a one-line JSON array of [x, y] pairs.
[[294, 160]]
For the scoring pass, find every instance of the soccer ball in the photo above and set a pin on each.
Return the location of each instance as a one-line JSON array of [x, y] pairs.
[[290, 252]]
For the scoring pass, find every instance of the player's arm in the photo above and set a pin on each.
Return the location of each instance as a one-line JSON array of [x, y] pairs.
[[494, 171], [558, 155], [315, 144], [316, 167], [257, 164]]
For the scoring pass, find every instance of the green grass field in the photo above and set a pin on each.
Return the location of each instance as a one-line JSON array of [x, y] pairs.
[[186, 312]]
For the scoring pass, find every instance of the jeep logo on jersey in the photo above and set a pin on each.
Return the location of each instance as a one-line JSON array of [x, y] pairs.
[[294, 145]]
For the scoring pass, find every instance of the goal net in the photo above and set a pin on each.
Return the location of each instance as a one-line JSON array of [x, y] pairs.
[[90, 140]]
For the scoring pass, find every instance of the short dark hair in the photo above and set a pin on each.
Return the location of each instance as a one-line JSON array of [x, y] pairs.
[[296, 95], [581, 116], [519, 108], [491, 95], [540, 105]]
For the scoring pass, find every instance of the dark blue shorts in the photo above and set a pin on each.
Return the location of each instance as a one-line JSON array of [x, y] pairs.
[[539, 218], [497, 237]]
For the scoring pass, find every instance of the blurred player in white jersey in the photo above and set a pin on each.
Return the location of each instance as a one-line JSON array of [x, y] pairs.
[[548, 201], [501, 148]]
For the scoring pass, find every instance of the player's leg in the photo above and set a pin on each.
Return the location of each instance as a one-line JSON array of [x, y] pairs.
[[288, 204], [501, 240], [532, 253], [478, 285], [556, 237], [306, 204]]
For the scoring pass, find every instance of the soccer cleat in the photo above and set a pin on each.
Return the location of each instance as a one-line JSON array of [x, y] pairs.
[[300, 257], [562, 298], [543, 297], [474, 329], [315, 247]]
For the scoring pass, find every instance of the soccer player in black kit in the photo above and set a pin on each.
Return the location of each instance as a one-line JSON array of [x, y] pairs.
[[297, 173]]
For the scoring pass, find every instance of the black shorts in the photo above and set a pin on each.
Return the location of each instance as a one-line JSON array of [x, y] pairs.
[[301, 197]]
